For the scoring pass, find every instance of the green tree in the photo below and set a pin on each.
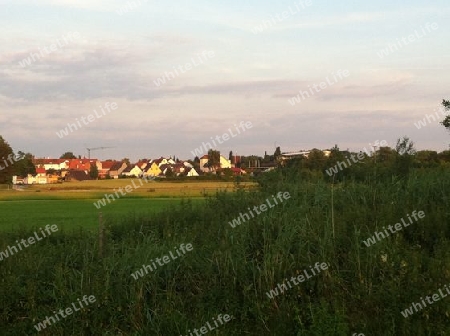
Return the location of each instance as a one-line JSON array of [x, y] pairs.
[[93, 171], [169, 172], [230, 157], [6, 161], [277, 153], [213, 159], [426, 159], [68, 155], [405, 155], [316, 160], [446, 121], [24, 166]]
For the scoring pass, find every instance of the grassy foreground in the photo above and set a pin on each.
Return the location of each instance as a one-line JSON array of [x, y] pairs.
[[230, 270], [74, 214], [71, 205]]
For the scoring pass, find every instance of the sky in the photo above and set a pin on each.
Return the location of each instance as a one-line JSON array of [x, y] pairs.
[[240, 62]]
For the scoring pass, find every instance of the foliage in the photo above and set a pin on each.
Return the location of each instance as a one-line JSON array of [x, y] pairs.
[[93, 171], [68, 155], [230, 270], [25, 165], [6, 161], [446, 121], [213, 159]]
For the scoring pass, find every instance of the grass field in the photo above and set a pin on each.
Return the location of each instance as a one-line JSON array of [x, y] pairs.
[[97, 189], [71, 205], [75, 213]]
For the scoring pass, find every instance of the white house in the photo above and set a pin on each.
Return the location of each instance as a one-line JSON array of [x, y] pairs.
[[191, 172], [132, 170]]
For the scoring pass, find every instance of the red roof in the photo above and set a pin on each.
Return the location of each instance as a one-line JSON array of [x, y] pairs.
[[81, 164], [40, 171], [107, 164]]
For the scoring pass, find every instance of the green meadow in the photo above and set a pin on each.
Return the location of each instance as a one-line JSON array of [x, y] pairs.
[[74, 214], [71, 205]]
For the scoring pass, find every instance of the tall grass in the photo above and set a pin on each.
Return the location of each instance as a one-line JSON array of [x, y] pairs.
[[230, 270]]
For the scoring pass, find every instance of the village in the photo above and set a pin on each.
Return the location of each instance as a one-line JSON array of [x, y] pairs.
[[50, 170]]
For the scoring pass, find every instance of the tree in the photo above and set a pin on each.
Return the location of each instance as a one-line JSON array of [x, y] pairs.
[[6, 161], [213, 159], [169, 172], [230, 157], [93, 171], [277, 153], [68, 155], [446, 121], [25, 165], [405, 154], [126, 160], [316, 159], [405, 146]]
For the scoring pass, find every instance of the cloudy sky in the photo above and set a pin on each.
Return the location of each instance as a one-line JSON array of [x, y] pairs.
[[264, 54]]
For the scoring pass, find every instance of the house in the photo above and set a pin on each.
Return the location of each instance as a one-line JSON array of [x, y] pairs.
[[55, 164], [165, 168], [83, 164], [238, 171], [106, 166], [224, 163], [117, 169], [191, 172], [187, 164], [160, 161], [30, 179], [41, 172], [17, 179], [152, 169], [52, 178], [41, 176], [142, 164], [77, 175], [178, 168], [132, 170]]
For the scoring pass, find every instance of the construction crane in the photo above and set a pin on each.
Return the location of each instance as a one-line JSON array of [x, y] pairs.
[[96, 148]]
